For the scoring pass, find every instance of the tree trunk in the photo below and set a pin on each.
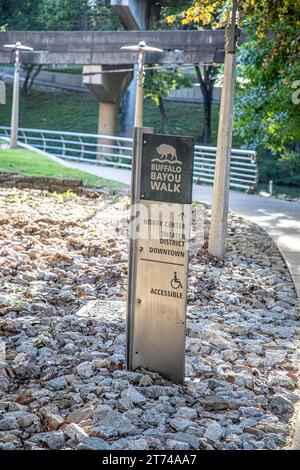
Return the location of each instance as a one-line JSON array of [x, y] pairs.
[[206, 81], [30, 75], [28, 70], [164, 116], [34, 75], [207, 107]]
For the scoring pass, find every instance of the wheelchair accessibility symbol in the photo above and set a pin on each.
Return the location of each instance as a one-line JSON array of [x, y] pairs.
[[175, 282]]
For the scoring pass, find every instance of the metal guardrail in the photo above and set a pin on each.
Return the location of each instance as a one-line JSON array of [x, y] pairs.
[[117, 152], [243, 167]]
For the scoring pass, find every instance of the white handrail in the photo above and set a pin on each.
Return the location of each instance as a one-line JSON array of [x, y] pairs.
[[117, 151]]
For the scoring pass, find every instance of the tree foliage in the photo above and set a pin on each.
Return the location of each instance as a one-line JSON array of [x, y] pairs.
[[267, 111], [217, 12], [162, 82], [158, 85], [174, 15], [19, 16], [55, 15], [206, 76], [266, 114], [78, 15]]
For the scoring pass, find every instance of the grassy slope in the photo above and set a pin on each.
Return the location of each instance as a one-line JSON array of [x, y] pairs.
[[53, 110], [33, 164]]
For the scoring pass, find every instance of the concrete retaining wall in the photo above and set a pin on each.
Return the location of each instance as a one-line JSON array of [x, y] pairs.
[[192, 95], [60, 185], [60, 80]]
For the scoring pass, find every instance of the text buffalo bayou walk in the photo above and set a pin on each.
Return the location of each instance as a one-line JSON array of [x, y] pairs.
[[166, 177]]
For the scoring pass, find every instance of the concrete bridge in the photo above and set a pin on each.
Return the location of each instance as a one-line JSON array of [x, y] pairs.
[[103, 47], [99, 53]]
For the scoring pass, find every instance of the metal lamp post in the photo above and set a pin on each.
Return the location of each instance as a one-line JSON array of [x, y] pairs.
[[18, 47], [138, 130], [141, 48], [156, 326]]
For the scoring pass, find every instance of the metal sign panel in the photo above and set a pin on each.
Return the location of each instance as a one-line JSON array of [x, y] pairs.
[[167, 168], [161, 284], [159, 256]]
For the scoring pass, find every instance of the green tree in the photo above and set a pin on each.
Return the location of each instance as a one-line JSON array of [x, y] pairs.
[[267, 111], [206, 76], [173, 14], [54, 15], [266, 114], [158, 85], [20, 16], [77, 15]]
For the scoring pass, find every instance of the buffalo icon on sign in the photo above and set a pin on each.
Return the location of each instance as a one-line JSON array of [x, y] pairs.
[[166, 151]]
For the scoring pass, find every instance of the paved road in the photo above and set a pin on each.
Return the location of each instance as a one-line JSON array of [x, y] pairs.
[[281, 219]]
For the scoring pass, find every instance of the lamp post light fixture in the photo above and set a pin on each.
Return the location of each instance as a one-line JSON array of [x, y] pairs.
[[17, 48], [141, 48]]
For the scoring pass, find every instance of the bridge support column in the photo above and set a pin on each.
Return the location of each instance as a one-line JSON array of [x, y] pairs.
[[136, 14], [108, 118], [108, 87]]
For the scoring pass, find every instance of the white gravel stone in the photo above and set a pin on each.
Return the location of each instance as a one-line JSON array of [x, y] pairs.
[[251, 411], [53, 440], [94, 443], [213, 433], [58, 383], [85, 370], [171, 444], [138, 444], [281, 405], [75, 432], [80, 414], [115, 424], [186, 413], [180, 424], [135, 397], [8, 423], [192, 441], [54, 421]]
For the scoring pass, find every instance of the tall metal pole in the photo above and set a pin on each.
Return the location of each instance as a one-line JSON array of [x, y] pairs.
[[220, 200], [141, 48], [16, 87], [15, 103], [138, 118]]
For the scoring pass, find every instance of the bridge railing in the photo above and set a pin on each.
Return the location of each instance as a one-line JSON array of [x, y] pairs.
[[116, 151]]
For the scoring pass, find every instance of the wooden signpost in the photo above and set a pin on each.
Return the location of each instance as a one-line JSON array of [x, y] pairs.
[[158, 261]]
